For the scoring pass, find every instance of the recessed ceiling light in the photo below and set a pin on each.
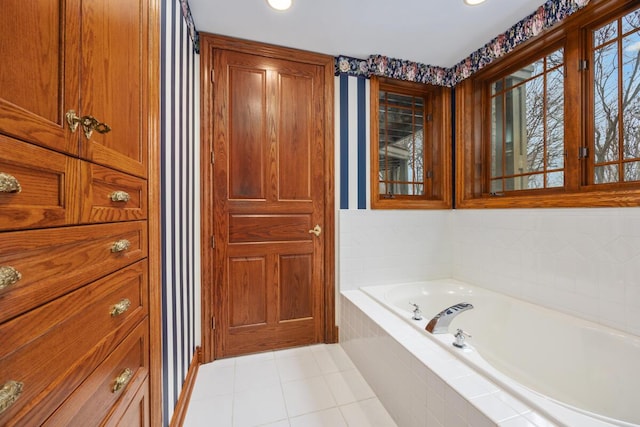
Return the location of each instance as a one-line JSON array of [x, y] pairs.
[[473, 2], [280, 4]]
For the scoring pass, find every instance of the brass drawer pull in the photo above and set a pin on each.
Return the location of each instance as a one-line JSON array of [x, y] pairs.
[[89, 124], [119, 196], [122, 380], [9, 393], [9, 183], [120, 246], [120, 307], [9, 276]]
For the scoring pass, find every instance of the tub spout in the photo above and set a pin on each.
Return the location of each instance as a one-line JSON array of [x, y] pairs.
[[440, 323]]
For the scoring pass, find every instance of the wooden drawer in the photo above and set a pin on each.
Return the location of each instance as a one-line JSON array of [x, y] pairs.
[[102, 186], [47, 182], [52, 349], [114, 382], [55, 261], [133, 409]]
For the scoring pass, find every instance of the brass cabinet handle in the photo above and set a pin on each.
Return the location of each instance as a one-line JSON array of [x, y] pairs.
[[8, 276], [9, 183], [316, 230], [122, 380], [120, 307], [9, 393], [119, 196], [88, 123], [120, 246]]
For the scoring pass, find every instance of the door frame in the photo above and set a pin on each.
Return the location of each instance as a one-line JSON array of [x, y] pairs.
[[208, 43]]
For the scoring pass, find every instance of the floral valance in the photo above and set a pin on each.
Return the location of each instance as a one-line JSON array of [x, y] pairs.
[[547, 15]]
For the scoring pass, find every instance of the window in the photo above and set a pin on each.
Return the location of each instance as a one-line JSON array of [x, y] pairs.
[[556, 122], [615, 49], [527, 126], [410, 163]]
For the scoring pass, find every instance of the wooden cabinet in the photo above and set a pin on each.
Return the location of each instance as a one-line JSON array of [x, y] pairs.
[[74, 211], [85, 56]]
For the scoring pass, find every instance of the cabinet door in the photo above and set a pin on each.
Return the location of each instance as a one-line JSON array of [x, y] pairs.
[[113, 79], [39, 72]]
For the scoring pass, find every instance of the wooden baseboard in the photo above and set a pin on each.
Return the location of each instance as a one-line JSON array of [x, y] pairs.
[[180, 411]]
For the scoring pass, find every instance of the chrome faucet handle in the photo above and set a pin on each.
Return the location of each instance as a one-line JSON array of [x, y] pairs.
[[460, 335], [417, 314]]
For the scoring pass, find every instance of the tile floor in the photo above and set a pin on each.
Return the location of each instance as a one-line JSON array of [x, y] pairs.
[[316, 386]]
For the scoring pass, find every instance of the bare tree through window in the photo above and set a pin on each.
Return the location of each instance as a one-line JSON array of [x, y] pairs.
[[527, 133], [616, 109]]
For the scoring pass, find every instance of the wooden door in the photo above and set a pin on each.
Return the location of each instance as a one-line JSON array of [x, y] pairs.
[[39, 71], [113, 81], [269, 195]]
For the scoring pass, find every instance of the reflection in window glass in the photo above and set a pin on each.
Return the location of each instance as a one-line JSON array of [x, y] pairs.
[[616, 97], [527, 127], [401, 139]]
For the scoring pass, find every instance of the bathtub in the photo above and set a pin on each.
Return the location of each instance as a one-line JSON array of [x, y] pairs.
[[554, 362]]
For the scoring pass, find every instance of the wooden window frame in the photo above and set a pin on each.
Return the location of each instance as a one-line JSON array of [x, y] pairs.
[[473, 118], [438, 187]]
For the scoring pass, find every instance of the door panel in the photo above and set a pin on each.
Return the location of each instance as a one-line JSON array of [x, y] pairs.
[[251, 228], [39, 72], [248, 291], [294, 139], [269, 193], [296, 300], [246, 146]]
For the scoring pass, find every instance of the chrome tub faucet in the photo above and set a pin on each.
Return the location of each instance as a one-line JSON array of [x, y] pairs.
[[440, 323]]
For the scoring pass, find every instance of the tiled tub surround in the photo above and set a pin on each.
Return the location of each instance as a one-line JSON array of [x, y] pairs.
[[393, 246], [420, 383], [522, 347], [585, 262]]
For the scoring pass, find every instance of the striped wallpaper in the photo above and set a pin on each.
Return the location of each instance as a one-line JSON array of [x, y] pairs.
[[352, 142], [180, 202]]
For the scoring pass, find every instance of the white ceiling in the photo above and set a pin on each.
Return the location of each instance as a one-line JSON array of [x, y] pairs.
[[433, 32]]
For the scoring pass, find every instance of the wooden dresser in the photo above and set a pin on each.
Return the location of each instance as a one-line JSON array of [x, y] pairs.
[[74, 211]]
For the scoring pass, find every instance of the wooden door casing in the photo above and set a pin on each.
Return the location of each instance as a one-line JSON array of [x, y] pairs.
[[268, 283]]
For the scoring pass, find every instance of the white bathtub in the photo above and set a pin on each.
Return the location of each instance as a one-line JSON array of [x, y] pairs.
[[548, 359]]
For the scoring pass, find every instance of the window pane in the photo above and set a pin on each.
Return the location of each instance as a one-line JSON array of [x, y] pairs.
[[496, 186], [631, 21], [497, 124], [555, 119], [631, 100], [535, 181], [401, 139], [534, 142], [605, 34], [632, 171], [606, 104], [527, 127], [555, 179], [555, 59], [606, 174]]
